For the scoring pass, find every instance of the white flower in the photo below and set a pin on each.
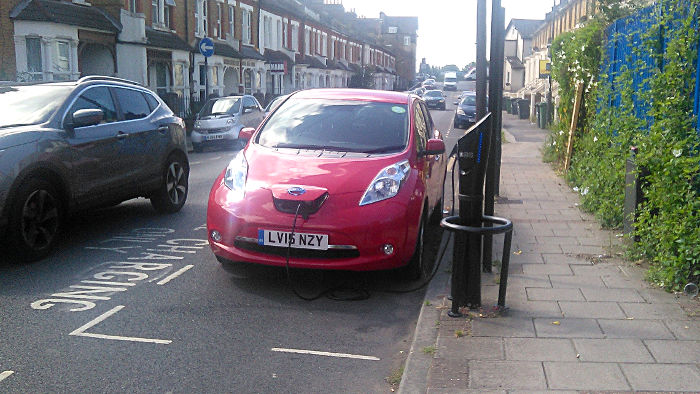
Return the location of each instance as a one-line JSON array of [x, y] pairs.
[[584, 191], [677, 152], [595, 139], [575, 188], [554, 143], [561, 132]]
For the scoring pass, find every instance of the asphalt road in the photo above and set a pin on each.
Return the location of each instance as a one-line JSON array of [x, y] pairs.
[[152, 310]]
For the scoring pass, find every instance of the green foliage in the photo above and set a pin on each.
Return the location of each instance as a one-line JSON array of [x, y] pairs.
[[364, 79], [668, 226]]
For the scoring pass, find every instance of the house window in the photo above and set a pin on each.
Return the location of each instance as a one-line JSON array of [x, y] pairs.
[[231, 20], [247, 16], [285, 38], [279, 34], [219, 15], [307, 42], [205, 16], [166, 16], [62, 64], [295, 37], [407, 40], [393, 29], [133, 6], [34, 64], [267, 25], [155, 15], [197, 18]]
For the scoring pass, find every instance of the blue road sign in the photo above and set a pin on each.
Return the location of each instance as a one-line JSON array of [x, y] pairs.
[[206, 47]]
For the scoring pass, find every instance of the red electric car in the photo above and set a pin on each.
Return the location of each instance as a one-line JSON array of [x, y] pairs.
[[355, 175]]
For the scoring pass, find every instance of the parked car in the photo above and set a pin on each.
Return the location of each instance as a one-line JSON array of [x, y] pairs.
[[465, 114], [355, 175], [418, 91], [221, 118], [274, 103], [462, 95], [429, 84], [94, 142], [434, 99]]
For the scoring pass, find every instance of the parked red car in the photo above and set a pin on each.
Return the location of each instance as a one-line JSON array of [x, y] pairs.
[[361, 170]]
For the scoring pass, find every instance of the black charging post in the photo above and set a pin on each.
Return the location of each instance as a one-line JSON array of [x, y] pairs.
[[472, 156]]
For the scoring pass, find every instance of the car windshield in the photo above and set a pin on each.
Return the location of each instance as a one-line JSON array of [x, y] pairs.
[[221, 106], [434, 93], [31, 104], [338, 125], [469, 100], [450, 79]]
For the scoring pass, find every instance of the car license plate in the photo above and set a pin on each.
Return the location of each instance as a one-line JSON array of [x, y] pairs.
[[300, 240], [215, 137]]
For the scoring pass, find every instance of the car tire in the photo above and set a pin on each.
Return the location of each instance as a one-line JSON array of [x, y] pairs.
[[172, 193], [35, 219], [415, 268], [197, 148], [456, 124], [436, 214]]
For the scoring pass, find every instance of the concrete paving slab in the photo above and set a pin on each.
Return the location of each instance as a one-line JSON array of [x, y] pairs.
[[653, 311], [547, 269], [662, 377], [560, 258], [577, 282], [539, 349], [667, 351], [595, 310], [585, 376], [532, 309], [446, 374], [658, 296], [612, 350], [596, 269], [470, 348], [642, 329], [543, 294], [685, 329], [616, 295], [506, 375], [567, 328], [503, 327]]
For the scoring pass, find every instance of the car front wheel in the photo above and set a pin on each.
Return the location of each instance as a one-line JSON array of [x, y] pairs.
[[416, 267], [171, 195], [35, 219]]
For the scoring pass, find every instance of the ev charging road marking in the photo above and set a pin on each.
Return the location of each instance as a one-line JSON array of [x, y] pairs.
[[5, 374], [81, 331], [327, 354], [174, 275]]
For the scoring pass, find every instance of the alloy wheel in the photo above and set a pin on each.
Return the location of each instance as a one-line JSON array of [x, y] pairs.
[[40, 219], [176, 183]]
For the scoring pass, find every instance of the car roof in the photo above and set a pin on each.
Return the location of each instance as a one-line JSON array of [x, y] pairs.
[[354, 94]]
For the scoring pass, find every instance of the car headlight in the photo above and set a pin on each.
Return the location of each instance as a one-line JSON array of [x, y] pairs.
[[387, 183], [235, 176], [460, 111], [197, 124], [442, 100]]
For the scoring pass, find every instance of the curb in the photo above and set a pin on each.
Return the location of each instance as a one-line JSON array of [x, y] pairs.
[[417, 367]]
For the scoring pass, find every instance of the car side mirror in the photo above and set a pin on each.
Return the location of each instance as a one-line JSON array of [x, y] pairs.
[[434, 147], [246, 133], [456, 102], [247, 110], [85, 117]]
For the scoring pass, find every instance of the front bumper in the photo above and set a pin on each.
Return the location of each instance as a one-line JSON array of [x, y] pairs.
[[356, 233], [230, 135], [465, 119], [434, 104]]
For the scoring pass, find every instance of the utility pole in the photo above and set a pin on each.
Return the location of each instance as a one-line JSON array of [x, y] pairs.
[[480, 59], [550, 108], [493, 169]]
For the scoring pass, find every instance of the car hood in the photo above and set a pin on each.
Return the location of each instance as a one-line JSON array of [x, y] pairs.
[[335, 172], [430, 98], [13, 136], [216, 122]]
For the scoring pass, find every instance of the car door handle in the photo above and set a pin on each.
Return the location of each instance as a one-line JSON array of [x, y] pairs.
[[163, 129], [121, 135]]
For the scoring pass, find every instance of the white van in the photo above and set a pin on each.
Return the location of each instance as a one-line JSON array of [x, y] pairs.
[[450, 82]]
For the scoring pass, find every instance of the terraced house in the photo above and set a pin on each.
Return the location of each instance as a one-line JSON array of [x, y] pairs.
[[265, 48]]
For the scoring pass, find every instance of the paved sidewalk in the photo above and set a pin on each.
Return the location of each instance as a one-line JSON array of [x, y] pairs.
[[578, 319]]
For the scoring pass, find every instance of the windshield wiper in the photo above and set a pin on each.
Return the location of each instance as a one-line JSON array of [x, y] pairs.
[[386, 149], [313, 147]]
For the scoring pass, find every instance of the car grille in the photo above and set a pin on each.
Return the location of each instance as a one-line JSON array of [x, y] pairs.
[[297, 253], [307, 207]]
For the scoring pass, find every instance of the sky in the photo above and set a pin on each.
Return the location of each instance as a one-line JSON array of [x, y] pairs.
[[447, 28]]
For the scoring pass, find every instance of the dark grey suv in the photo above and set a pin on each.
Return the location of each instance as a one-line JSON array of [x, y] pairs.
[[70, 146]]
